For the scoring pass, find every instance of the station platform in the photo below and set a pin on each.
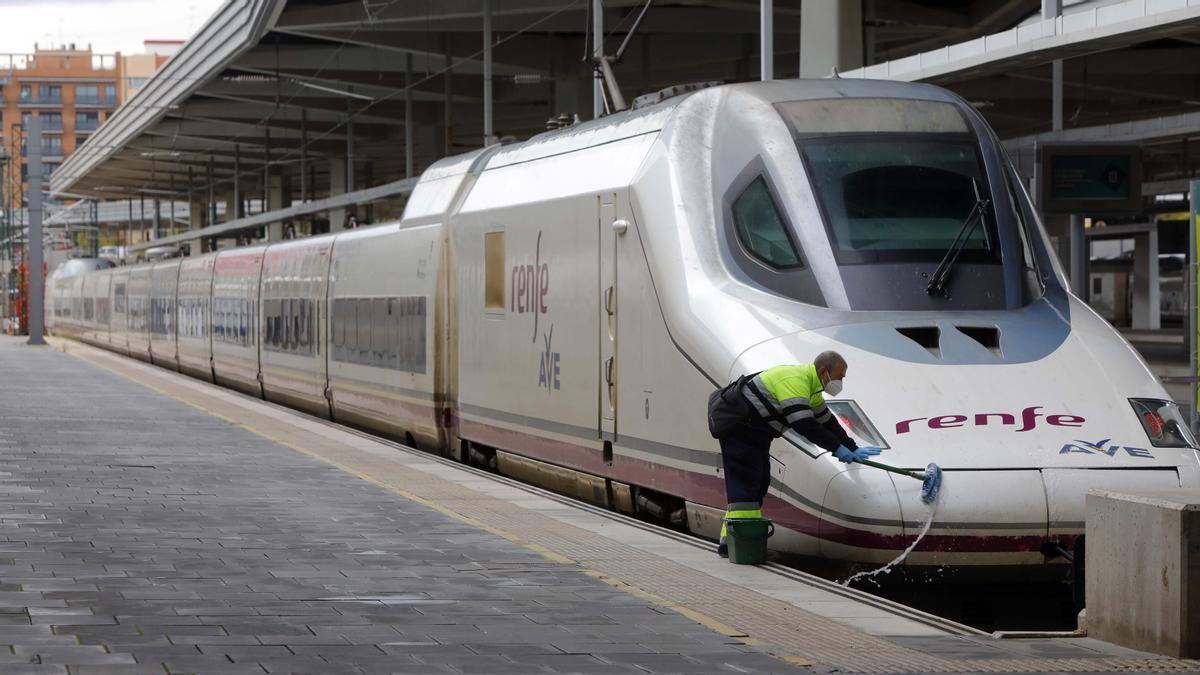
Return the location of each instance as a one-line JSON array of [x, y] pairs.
[[153, 523]]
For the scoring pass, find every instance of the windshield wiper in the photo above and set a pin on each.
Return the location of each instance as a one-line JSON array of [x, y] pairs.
[[940, 276]]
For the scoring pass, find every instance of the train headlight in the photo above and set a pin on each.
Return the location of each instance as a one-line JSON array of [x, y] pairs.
[[856, 423], [1163, 423]]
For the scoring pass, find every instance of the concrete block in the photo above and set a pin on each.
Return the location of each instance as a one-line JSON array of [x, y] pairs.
[[1143, 552]]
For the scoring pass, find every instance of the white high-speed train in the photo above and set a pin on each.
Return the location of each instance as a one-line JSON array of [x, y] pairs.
[[560, 309]]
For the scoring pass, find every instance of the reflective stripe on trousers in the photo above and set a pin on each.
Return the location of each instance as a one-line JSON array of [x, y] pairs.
[[740, 510]]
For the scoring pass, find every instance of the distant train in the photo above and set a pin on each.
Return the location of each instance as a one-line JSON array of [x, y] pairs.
[[560, 309]]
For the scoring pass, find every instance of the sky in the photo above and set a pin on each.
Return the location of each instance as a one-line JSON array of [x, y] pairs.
[[108, 25]]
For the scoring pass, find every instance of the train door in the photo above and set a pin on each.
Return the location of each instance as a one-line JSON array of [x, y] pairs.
[[608, 321]]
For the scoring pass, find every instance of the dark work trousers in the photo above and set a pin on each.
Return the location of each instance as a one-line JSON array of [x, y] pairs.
[[746, 456]]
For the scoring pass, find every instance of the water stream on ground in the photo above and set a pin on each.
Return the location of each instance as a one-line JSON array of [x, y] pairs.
[[903, 554]]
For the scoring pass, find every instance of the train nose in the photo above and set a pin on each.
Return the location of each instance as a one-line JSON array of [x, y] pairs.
[[861, 519], [979, 518]]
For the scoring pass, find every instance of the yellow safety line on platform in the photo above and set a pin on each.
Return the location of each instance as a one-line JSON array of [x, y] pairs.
[[699, 617]]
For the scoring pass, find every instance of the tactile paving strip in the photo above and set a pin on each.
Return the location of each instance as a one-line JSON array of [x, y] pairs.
[[789, 632]]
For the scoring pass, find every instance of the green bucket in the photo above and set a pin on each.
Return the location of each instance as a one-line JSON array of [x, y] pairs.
[[747, 539]]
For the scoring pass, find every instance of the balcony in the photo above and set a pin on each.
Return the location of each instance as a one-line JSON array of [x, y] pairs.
[[40, 101], [47, 153], [93, 102], [86, 127], [48, 127]]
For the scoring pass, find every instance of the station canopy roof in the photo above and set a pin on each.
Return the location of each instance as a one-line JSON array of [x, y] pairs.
[[302, 84]]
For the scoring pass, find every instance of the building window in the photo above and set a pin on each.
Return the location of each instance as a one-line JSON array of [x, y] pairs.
[[49, 168], [136, 83], [79, 141], [87, 121], [110, 93], [51, 93], [26, 93], [87, 95], [51, 121], [52, 145]]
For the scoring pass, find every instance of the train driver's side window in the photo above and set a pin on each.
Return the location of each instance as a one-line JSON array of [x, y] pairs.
[[761, 230]]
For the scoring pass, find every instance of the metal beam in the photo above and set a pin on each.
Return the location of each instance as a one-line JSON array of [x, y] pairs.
[[488, 128], [1075, 34], [394, 189], [597, 53], [766, 40], [37, 282]]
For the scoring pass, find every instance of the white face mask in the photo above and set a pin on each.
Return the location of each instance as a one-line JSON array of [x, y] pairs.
[[833, 387]]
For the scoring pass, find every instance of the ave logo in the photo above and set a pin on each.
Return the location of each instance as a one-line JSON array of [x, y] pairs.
[[1103, 448], [548, 370]]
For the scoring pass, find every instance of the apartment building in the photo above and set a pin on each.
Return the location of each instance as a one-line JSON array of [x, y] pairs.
[[137, 69], [72, 91]]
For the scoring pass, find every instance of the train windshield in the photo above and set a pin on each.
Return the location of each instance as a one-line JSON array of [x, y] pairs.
[[901, 198], [912, 205]]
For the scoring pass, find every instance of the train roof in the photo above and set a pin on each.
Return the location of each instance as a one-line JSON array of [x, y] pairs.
[[655, 117]]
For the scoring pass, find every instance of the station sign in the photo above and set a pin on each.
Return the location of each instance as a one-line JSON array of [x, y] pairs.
[[1097, 178]]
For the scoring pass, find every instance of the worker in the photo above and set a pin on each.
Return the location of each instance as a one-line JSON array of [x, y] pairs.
[[782, 397]]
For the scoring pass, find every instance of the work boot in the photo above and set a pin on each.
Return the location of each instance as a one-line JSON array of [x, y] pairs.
[[723, 550]]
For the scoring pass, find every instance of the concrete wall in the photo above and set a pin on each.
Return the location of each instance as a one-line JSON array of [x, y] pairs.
[[1143, 551]]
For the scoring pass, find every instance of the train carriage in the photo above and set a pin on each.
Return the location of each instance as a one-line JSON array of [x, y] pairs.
[[138, 305], [381, 338], [118, 326], [237, 274], [101, 300], [194, 325], [295, 285], [163, 315]]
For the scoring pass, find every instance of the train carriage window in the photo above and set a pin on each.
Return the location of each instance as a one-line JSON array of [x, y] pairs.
[[302, 319], [407, 327], [362, 319], [246, 322], [268, 327], [761, 230], [119, 298], [351, 338], [494, 277], [274, 333], [217, 325], [306, 324], [395, 333], [421, 340], [267, 322], [379, 332], [339, 327], [294, 325], [289, 332], [416, 344]]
